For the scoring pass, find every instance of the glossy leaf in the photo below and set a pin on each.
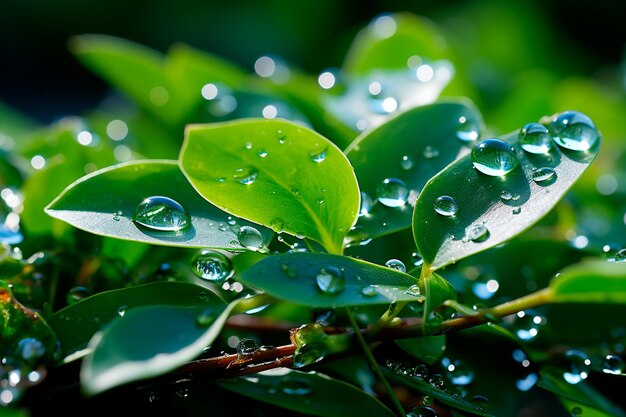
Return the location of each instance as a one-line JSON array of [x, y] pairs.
[[443, 240], [294, 277], [77, 323], [104, 202], [308, 393], [149, 341], [275, 173], [437, 290], [591, 282], [426, 388], [412, 147], [427, 349]]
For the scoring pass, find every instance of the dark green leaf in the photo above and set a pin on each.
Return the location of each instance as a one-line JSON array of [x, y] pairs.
[[427, 349], [412, 147], [296, 277], [275, 173], [443, 240], [437, 290], [104, 202], [308, 393], [591, 282]]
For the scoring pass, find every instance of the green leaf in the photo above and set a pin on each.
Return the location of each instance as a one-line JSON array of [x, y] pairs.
[[275, 173], [412, 147], [150, 341], [103, 203], [426, 388], [77, 323], [294, 277], [442, 239], [427, 349], [308, 393], [437, 290], [595, 281], [582, 393]]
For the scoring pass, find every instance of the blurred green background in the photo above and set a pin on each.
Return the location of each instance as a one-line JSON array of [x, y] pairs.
[[39, 77]]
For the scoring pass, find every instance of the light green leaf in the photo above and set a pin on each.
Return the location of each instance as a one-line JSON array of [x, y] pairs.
[[104, 202], [596, 281], [443, 240], [308, 393], [150, 341], [275, 173], [411, 147], [437, 290]]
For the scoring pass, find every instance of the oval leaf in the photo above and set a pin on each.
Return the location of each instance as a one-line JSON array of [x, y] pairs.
[[412, 147], [443, 240], [150, 341], [294, 277], [275, 173], [591, 282], [103, 203], [322, 395], [77, 323]]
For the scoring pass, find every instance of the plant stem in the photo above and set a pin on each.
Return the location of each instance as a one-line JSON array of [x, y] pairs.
[[374, 364], [386, 318]]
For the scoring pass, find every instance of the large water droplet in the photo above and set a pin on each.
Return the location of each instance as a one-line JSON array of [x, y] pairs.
[[245, 176], [366, 204], [250, 238], [580, 365], [330, 280], [76, 294], [392, 192], [161, 213], [543, 175], [246, 347], [309, 354], [494, 157], [535, 138], [295, 386], [446, 206], [318, 156], [468, 129], [573, 130], [212, 265], [396, 264], [477, 233], [613, 364]]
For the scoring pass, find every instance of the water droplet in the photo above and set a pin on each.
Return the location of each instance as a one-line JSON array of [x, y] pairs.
[[406, 163], [430, 152], [366, 204], [573, 130], [577, 411], [620, 255], [277, 224], [506, 195], [613, 365], [205, 317], [161, 213], [331, 280], [250, 238], [318, 156], [446, 206], [414, 290], [420, 371], [580, 364], [309, 354], [121, 311], [263, 153], [31, 349], [246, 347], [369, 291], [295, 386], [481, 403], [437, 381], [76, 294], [245, 176], [396, 264], [494, 157], [516, 210], [212, 265], [468, 129], [422, 411], [392, 192], [416, 259], [543, 175], [477, 233], [535, 138]]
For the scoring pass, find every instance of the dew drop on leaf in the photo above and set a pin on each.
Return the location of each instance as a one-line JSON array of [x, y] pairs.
[[250, 238], [318, 156], [613, 364], [543, 175], [392, 192], [245, 176], [295, 386], [494, 157], [477, 233], [416, 259], [161, 213], [574, 130], [446, 206], [422, 411], [579, 368], [212, 266], [369, 291], [414, 290], [396, 264], [468, 129], [330, 280], [75, 294], [534, 138]]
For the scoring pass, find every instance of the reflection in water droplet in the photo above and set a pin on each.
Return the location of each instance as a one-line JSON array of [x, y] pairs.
[[543, 174], [295, 386], [468, 129], [396, 264], [494, 157], [161, 213], [250, 238], [613, 365], [535, 138], [437, 381], [392, 192], [121, 311], [414, 290], [318, 156], [580, 365], [477, 233], [366, 204], [245, 176], [573, 130], [246, 347], [212, 265], [330, 280], [446, 206], [369, 291]]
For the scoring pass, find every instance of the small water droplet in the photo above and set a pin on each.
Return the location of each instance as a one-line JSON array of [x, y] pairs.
[[396, 264], [212, 265], [446, 206], [121, 311], [574, 130], [613, 364], [248, 145], [543, 175], [516, 210], [220, 179], [369, 291], [577, 411], [580, 365], [468, 129], [277, 224], [414, 290], [366, 204], [295, 386], [420, 371], [76, 294], [246, 347], [206, 317], [416, 259], [494, 157], [437, 381], [318, 156], [481, 403], [392, 192], [263, 153], [422, 411], [430, 152], [161, 213], [506, 195], [245, 176], [477, 233], [535, 138], [117, 216], [250, 238], [406, 163], [331, 280]]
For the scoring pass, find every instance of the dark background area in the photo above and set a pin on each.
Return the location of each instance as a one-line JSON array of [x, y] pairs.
[[39, 77]]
